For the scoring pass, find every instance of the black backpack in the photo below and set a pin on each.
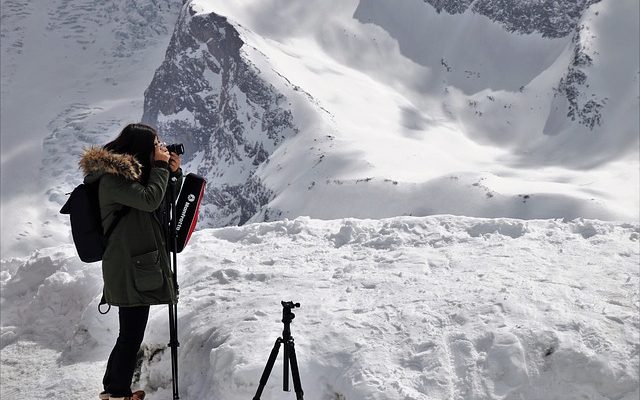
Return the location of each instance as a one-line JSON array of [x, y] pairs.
[[83, 208]]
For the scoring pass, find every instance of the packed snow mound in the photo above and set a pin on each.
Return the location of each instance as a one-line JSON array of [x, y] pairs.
[[437, 307]]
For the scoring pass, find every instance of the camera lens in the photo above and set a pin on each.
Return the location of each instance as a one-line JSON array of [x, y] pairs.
[[176, 148]]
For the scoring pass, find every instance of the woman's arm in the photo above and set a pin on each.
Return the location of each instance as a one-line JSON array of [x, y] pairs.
[[136, 195]]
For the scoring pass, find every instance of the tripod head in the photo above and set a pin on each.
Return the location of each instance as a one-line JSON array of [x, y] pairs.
[[289, 304], [287, 315]]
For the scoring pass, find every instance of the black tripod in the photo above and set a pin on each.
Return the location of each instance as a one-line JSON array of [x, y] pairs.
[[289, 355], [173, 308]]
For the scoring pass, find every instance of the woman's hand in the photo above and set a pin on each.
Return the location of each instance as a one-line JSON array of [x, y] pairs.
[[174, 162], [161, 154]]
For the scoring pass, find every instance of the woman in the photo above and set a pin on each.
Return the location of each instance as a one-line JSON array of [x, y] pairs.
[[133, 173]]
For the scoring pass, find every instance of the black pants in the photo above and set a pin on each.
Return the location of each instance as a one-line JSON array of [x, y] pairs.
[[122, 361]]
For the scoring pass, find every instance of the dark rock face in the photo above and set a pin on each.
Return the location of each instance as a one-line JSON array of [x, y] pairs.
[[207, 95], [551, 18], [574, 83], [451, 7]]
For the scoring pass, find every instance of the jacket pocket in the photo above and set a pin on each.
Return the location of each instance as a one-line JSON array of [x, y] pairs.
[[147, 274]]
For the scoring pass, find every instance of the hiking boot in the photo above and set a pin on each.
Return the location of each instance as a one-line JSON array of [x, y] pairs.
[[137, 395]]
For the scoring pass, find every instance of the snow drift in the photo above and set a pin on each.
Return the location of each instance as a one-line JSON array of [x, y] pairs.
[[422, 308]]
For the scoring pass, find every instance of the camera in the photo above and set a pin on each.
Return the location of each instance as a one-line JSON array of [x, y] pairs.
[[177, 148]]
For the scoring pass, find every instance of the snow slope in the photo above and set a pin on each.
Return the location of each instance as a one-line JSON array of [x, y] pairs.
[[434, 308], [73, 74]]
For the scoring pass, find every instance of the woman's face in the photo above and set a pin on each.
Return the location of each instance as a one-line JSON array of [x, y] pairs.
[[158, 143]]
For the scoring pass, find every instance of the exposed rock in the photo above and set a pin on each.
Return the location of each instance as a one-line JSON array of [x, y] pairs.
[[210, 97], [551, 18], [574, 85]]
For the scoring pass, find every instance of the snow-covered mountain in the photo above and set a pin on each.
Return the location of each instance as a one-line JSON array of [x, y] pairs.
[[339, 108], [518, 109], [329, 109], [207, 95]]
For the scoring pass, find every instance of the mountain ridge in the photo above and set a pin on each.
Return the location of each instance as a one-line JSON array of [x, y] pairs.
[[566, 88], [552, 19]]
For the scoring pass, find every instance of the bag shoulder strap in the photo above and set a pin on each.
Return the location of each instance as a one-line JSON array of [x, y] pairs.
[[119, 215]]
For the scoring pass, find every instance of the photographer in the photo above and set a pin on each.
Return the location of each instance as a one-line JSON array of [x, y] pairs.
[[133, 172]]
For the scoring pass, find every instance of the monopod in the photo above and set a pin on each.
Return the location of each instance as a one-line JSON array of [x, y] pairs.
[[173, 308]]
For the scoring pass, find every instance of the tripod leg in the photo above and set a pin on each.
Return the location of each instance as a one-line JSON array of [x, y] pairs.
[[268, 368], [173, 344], [173, 308], [285, 367], [294, 369]]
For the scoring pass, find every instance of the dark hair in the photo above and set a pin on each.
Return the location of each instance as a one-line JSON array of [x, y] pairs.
[[137, 140]]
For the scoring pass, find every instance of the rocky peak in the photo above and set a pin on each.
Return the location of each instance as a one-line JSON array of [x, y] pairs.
[[207, 95]]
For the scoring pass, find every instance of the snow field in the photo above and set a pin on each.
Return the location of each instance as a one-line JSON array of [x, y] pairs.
[[435, 307]]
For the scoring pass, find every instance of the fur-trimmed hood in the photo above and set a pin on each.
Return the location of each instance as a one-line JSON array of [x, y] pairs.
[[96, 161]]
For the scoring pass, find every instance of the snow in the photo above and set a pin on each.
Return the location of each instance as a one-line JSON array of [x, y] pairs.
[[369, 106], [379, 87], [438, 307], [182, 114], [542, 306], [73, 74]]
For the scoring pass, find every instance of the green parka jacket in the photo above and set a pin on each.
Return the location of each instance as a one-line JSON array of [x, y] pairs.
[[135, 264]]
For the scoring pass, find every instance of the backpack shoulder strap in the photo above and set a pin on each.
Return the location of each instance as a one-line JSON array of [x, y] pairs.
[[119, 214]]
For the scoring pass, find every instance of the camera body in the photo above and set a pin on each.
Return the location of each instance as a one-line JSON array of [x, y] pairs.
[[177, 148]]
